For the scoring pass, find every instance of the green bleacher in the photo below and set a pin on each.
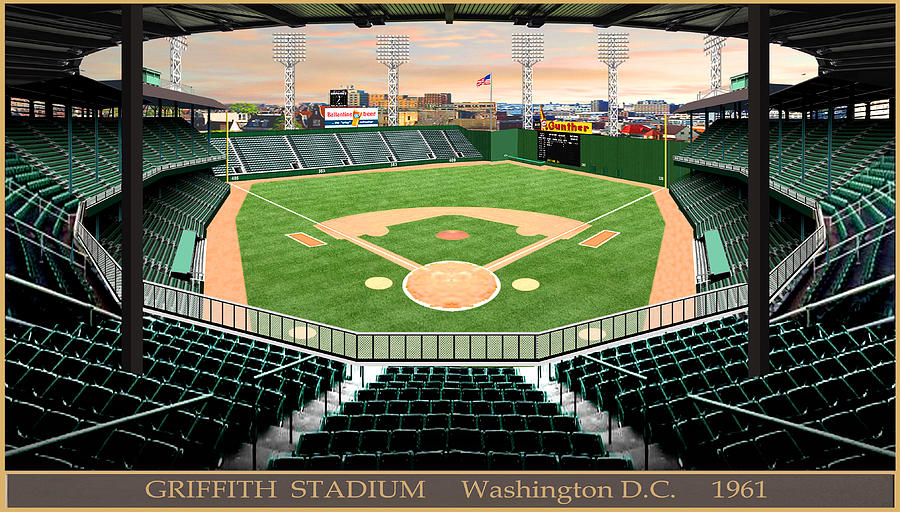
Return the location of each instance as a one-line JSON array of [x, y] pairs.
[[855, 144], [186, 202], [43, 143], [712, 202]]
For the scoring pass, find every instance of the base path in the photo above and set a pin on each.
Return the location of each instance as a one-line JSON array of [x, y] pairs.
[[224, 271], [675, 267]]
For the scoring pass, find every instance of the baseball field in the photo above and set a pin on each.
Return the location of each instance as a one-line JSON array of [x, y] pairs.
[[479, 248]]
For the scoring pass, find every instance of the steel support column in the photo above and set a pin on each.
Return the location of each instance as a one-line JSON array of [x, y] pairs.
[[830, 120], [780, 112], [706, 129], [69, 136], [132, 199], [758, 189], [803, 147], [96, 146]]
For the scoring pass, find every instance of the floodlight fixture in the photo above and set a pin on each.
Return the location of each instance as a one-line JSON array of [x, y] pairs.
[[177, 46], [392, 50], [527, 50], [712, 46], [612, 50], [289, 48]]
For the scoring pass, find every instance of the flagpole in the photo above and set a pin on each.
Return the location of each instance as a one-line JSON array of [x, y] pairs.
[[491, 102]]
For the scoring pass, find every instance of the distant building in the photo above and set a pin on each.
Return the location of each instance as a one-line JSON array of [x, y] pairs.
[[599, 106], [659, 107], [482, 106], [434, 99], [260, 122], [404, 101]]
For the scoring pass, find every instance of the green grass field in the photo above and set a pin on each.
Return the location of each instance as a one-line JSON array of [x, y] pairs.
[[326, 284]]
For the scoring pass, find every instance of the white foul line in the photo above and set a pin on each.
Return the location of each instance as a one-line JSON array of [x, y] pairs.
[[369, 246], [548, 241]]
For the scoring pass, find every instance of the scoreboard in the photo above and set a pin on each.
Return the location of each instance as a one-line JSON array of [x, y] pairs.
[[559, 148]]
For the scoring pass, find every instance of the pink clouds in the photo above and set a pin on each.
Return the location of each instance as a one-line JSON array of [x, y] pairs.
[[237, 66]]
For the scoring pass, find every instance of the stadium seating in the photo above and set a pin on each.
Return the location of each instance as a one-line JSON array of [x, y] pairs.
[[278, 153], [43, 143], [63, 379], [37, 231], [823, 377], [710, 201], [188, 201], [862, 211], [855, 145], [449, 418]]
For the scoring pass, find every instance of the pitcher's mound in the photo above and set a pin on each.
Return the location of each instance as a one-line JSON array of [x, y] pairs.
[[451, 285], [452, 234]]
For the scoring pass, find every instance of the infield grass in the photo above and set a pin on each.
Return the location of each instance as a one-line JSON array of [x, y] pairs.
[[326, 283]]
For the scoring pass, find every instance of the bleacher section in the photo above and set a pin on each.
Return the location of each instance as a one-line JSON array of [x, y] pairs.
[[365, 147], [826, 378], [185, 202], [711, 202], [862, 216], [37, 231], [264, 153], [428, 418], [855, 145], [60, 380], [43, 143]]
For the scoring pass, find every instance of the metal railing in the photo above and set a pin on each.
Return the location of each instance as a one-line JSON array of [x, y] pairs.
[[432, 347], [410, 346], [786, 269], [777, 186], [796, 426], [116, 189]]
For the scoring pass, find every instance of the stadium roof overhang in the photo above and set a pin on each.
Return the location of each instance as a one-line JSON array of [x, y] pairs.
[[168, 98], [45, 41], [725, 99], [822, 92], [82, 91]]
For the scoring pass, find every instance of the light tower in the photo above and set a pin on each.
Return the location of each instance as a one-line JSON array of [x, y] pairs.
[[712, 46], [392, 51], [527, 50], [289, 48], [177, 45], [612, 50]]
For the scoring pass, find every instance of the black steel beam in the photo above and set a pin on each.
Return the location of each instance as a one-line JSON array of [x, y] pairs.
[[132, 188], [758, 189]]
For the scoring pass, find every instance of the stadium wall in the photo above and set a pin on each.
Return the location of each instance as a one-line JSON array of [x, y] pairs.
[[627, 158]]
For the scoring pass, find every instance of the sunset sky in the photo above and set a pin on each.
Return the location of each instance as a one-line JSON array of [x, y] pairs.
[[238, 66]]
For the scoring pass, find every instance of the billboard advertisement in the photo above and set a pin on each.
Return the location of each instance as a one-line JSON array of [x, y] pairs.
[[566, 126], [351, 117], [338, 98]]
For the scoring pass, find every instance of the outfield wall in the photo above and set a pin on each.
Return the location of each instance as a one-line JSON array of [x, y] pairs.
[[639, 160], [632, 159]]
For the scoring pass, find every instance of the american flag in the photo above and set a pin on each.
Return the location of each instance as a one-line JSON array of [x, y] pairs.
[[484, 81]]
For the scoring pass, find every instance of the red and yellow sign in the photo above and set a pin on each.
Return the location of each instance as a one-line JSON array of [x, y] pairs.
[[564, 126]]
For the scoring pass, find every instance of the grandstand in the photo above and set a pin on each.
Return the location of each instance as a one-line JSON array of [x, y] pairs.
[[647, 392], [263, 155]]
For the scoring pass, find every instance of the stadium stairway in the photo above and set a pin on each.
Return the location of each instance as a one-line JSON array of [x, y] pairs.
[[828, 377], [64, 378], [443, 418]]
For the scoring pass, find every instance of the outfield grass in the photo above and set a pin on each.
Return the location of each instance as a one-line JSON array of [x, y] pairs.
[[326, 283]]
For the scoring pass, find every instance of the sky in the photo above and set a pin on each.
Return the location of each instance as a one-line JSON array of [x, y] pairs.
[[238, 66]]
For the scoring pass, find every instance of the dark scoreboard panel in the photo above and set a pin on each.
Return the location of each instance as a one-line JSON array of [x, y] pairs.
[[559, 148]]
